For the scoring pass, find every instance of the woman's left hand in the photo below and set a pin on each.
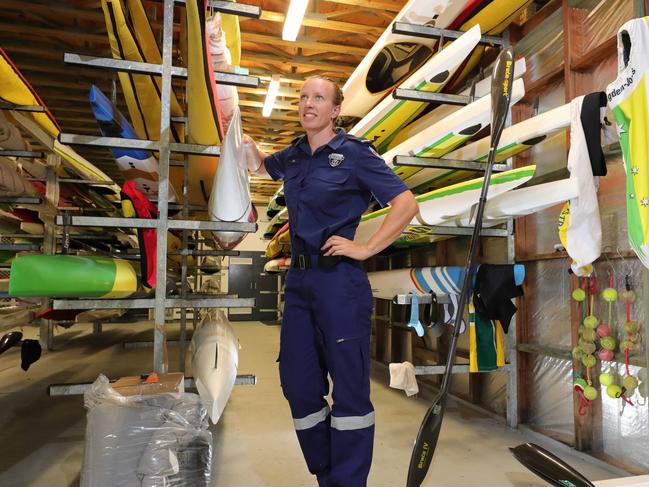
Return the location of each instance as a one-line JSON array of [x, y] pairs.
[[337, 245]]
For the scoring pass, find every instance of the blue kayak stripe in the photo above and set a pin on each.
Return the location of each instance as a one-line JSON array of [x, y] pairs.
[[455, 275], [421, 280], [441, 285], [441, 275]]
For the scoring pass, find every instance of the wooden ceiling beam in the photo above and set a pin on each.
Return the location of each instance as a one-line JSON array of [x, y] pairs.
[[249, 127], [283, 92], [50, 8], [323, 21], [253, 58], [12, 48], [81, 87], [259, 104], [29, 63], [275, 115], [343, 13], [75, 35], [371, 4], [308, 43]]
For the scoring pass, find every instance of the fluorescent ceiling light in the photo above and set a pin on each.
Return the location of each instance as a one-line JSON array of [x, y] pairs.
[[293, 20], [273, 89]]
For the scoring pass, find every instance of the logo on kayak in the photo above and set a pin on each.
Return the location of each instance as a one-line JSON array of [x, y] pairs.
[[335, 159]]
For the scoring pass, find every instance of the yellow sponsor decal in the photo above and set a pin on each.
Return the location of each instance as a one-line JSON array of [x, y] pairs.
[[508, 69]]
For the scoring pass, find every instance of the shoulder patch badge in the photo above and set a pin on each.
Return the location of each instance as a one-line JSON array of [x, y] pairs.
[[335, 159]]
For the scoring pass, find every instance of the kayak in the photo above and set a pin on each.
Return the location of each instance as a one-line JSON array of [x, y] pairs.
[[71, 276]]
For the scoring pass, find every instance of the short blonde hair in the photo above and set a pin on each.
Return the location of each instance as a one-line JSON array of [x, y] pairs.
[[338, 92]]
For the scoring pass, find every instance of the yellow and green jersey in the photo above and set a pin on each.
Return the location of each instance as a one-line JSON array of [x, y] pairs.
[[627, 97]]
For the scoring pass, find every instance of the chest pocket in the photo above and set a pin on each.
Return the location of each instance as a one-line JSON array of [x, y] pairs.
[[328, 190], [334, 177]]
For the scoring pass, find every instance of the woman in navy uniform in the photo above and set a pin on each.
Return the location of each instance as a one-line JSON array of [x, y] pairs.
[[330, 178]]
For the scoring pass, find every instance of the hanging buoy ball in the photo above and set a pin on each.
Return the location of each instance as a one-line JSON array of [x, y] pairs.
[[634, 337], [609, 294], [629, 295], [627, 345], [587, 347], [578, 353], [608, 343], [631, 326], [590, 393], [606, 355], [580, 384], [589, 335], [603, 330], [591, 322], [589, 360], [606, 379], [630, 383], [579, 294], [614, 391]]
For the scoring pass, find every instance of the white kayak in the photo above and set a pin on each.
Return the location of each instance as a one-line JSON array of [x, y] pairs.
[[517, 138], [480, 89], [386, 118], [525, 201], [215, 351], [394, 56], [447, 203], [230, 197], [442, 137], [499, 209], [440, 280]]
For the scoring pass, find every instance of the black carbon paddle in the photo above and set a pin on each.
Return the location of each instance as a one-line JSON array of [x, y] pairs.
[[549, 467], [422, 453]]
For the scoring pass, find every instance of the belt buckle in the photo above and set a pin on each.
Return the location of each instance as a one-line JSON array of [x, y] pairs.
[[301, 261]]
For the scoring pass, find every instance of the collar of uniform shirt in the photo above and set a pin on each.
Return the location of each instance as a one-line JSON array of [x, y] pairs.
[[303, 144]]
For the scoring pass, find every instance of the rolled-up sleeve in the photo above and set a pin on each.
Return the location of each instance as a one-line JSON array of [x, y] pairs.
[[374, 175], [275, 164]]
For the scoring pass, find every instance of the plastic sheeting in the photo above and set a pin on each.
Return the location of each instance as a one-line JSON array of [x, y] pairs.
[[542, 48], [145, 441], [625, 431], [550, 379], [550, 157], [550, 396], [548, 307], [603, 19]]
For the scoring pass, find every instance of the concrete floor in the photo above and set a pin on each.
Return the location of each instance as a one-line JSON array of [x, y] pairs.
[[42, 438]]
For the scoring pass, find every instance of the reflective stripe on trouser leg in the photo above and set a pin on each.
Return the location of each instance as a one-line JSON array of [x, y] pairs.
[[303, 375], [311, 420], [352, 417], [345, 308]]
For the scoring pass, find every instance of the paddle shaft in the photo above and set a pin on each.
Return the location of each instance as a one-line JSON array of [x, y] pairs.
[[429, 430], [501, 96], [466, 283]]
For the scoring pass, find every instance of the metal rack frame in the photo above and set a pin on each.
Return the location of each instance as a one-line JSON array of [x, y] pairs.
[[510, 368], [164, 147]]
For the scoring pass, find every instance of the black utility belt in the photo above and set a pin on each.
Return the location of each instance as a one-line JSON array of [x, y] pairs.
[[308, 261]]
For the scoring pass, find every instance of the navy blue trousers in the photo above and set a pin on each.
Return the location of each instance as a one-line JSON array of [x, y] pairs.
[[326, 332]]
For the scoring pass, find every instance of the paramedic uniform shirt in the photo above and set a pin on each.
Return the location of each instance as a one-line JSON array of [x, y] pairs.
[[328, 191]]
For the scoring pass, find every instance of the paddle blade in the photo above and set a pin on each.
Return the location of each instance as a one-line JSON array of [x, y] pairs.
[[549, 467], [422, 452], [501, 92]]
